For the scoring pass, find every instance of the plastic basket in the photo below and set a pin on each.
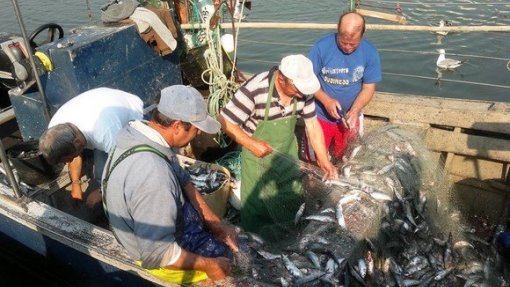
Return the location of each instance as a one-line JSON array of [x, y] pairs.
[[217, 200]]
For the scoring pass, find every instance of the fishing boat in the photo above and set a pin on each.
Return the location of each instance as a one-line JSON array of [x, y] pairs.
[[470, 139]]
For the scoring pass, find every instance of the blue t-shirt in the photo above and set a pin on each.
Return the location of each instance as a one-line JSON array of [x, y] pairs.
[[342, 75]]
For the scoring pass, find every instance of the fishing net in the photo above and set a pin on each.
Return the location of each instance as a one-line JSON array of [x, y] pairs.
[[387, 221]]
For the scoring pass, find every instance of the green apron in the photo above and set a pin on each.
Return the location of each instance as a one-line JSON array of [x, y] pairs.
[[271, 189]]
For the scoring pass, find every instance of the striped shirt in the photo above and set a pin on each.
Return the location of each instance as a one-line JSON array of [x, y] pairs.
[[247, 107]]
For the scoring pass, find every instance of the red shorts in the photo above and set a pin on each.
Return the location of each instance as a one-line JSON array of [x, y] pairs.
[[336, 137]]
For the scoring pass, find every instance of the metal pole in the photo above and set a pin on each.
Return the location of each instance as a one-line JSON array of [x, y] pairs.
[[334, 26], [8, 171], [31, 58]]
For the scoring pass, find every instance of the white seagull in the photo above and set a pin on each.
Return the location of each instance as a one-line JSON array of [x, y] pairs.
[[445, 63], [442, 23]]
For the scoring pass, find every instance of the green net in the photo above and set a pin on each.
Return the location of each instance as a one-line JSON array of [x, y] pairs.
[[387, 221]]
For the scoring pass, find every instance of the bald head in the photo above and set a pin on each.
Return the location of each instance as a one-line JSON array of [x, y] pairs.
[[351, 24], [351, 27]]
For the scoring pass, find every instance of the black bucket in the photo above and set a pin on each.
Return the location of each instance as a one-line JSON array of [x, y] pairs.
[[30, 165]]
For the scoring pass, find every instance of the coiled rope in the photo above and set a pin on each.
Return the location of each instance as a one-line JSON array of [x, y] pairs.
[[221, 88]]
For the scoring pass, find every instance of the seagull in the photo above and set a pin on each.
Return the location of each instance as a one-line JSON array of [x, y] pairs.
[[442, 23], [445, 63]]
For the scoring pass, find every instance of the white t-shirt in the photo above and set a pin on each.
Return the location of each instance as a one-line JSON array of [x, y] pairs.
[[100, 114]]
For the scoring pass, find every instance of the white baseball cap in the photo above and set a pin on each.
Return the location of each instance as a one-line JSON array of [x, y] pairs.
[[299, 69], [186, 104]]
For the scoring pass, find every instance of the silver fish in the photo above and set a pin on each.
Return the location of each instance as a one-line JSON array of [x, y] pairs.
[[321, 218], [291, 267], [385, 169], [256, 238], [340, 215], [354, 152], [408, 213], [327, 210], [380, 196], [462, 244], [267, 255], [299, 213], [443, 274], [349, 198], [330, 266], [334, 182], [346, 170], [362, 267], [313, 258]]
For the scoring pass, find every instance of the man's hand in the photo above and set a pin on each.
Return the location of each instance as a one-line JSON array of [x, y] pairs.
[[330, 171], [76, 192], [353, 117], [93, 198], [332, 106], [218, 268], [260, 148], [225, 233]]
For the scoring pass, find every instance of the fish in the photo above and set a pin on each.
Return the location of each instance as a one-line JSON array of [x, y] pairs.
[[327, 210], [299, 213], [330, 266], [440, 275], [291, 267], [256, 238], [284, 282], [462, 244], [321, 218], [333, 182], [267, 255], [340, 215], [385, 169], [408, 213], [354, 152], [416, 264], [357, 276], [346, 170], [380, 196], [313, 258], [362, 267]]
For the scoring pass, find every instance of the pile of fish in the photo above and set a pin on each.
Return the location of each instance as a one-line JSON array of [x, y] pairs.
[[380, 224], [206, 180]]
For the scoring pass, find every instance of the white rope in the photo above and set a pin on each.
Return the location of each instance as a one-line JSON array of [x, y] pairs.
[[220, 88]]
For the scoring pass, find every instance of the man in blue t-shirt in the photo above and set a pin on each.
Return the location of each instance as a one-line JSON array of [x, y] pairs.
[[348, 69]]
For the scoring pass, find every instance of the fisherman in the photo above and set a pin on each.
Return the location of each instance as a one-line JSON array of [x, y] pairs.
[[262, 117], [89, 121], [155, 211], [348, 69]]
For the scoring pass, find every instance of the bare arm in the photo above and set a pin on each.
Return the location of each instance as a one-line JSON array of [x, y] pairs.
[[216, 268], [331, 105], [316, 137], [364, 97], [257, 147], [75, 175]]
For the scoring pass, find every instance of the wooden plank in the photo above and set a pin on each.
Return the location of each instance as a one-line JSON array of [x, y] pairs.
[[381, 15], [470, 114], [472, 167], [478, 146]]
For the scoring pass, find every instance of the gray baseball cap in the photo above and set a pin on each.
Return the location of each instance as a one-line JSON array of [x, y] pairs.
[[185, 103]]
